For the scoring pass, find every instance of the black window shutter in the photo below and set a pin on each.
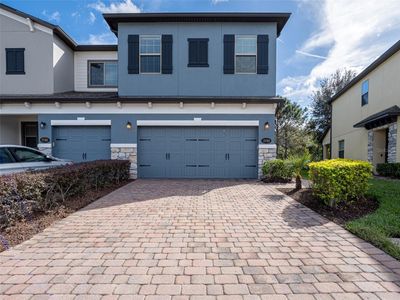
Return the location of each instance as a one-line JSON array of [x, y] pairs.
[[15, 61], [262, 54], [229, 54], [166, 59], [133, 54], [198, 52]]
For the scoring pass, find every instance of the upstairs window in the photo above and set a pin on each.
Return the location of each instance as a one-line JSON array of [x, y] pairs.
[[246, 54], [341, 149], [198, 53], [364, 92], [15, 61], [150, 54], [103, 74]]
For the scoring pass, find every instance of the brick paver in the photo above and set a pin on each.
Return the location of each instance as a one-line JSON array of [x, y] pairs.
[[204, 239]]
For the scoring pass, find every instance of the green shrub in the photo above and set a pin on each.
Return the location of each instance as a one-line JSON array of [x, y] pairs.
[[278, 170], [25, 193], [337, 180], [389, 170]]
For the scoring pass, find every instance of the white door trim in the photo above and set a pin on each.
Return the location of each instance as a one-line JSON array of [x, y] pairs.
[[80, 122], [197, 123]]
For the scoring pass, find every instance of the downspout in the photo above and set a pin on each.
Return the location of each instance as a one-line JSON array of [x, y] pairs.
[[330, 133], [30, 24]]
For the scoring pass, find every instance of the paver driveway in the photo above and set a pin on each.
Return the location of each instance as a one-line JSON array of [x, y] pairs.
[[162, 239]]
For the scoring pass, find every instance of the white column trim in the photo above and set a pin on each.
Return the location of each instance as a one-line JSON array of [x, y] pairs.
[[123, 145], [197, 123], [266, 146], [80, 122], [47, 145]]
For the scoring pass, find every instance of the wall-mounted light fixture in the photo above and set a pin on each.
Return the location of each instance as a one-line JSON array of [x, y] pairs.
[[42, 125], [266, 126], [128, 125]]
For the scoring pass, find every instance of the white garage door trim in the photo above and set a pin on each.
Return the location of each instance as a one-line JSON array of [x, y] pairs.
[[196, 122], [80, 122]]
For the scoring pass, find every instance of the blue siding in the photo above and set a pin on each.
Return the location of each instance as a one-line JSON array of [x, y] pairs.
[[185, 81], [120, 134]]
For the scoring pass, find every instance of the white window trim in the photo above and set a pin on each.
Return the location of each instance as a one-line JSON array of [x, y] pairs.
[[101, 61], [245, 54], [197, 122], [80, 122], [150, 54]]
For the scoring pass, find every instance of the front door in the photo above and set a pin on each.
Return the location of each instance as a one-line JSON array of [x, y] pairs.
[[29, 134]]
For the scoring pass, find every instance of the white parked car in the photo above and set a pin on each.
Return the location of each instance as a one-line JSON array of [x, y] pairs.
[[14, 159]]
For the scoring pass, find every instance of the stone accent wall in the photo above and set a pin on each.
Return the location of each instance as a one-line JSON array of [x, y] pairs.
[[46, 150], [370, 155], [265, 152], [392, 142], [126, 153]]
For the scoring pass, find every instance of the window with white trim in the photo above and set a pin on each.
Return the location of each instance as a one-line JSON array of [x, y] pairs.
[[341, 149], [150, 54], [103, 74], [246, 54]]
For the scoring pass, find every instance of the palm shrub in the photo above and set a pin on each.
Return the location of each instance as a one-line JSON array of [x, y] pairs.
[[299, 164], [340, 180]]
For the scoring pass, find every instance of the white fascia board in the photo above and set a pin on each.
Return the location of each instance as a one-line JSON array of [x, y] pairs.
[[137, 108], [25, 21], [114, 145], [80, 122], [196, 123]]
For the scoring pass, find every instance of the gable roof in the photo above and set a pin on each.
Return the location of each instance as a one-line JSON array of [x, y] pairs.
[[114, 19], [59, 32], [381, 59]]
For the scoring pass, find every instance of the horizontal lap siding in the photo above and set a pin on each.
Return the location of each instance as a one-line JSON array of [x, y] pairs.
[[81, 69]]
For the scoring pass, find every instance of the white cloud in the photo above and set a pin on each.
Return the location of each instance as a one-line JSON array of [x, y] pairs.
[[92, 17], [354, 32], [75, 14], [102, 38], [124, 6], [54, 16]]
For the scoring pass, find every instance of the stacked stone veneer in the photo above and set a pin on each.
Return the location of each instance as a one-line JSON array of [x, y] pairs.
[[370, 154], [126, 152], [265, 152], [45, 148], [392, 142]]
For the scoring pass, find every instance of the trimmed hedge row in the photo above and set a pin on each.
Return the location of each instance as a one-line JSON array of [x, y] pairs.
[[25, 193], [389, 170], [337, 180]]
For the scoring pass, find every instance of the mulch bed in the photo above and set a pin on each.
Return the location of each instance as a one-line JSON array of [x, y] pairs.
[[25, 229], [341, 214]]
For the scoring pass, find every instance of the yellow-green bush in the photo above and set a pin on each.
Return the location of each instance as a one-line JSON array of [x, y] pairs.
[[337, 180]]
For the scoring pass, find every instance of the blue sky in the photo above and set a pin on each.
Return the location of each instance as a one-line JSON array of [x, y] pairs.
[[320, 37]]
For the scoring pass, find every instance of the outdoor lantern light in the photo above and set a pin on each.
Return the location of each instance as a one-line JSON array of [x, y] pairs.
[[128, 125], [266, 126], [42, 125]]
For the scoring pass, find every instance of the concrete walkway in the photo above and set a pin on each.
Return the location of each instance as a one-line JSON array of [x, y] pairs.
[[165, 239]]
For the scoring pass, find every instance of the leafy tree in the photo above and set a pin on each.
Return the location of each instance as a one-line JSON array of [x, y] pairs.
[[320, 107], [290, 129]]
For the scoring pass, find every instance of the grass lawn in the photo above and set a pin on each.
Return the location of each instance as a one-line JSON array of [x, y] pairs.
[[384, 223]]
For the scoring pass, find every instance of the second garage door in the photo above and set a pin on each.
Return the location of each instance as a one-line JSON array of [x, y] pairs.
[[197, 152], [82, 143]]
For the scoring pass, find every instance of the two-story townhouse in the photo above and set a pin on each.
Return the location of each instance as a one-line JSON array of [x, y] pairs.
[[193, 95], [365, 114]]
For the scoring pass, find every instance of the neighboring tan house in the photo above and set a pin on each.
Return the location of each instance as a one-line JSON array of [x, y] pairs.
[[183, 95], [365, 113]]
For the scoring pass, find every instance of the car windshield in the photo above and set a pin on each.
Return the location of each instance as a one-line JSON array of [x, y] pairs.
[[5, 157], [28, 155]]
